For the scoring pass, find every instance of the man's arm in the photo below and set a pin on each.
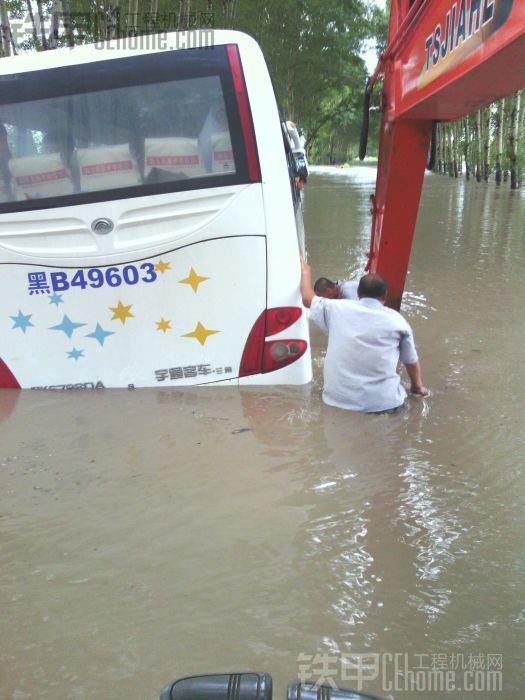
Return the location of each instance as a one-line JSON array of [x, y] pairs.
[[414, 374], [307, 290]]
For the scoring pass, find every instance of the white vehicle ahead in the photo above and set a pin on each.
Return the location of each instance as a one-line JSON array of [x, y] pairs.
[[297, 144], [150, 230]]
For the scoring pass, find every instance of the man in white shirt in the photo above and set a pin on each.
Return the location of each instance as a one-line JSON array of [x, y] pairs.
[[342, 289], [366, 340]]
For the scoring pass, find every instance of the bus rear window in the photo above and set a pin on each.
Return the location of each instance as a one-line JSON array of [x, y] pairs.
[[176, 129]]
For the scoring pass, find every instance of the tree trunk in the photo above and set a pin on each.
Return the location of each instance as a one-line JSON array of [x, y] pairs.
[[133, 16], [479, 137], [289, 91], [113, 19], [513, 141], [506, 122], [486, 143], [443, 128], [33, 25], [184, 14], [450, 148], [68, 26], [457, 153], [42, 28], [499, 139], [233, 12], [459, 132], [261, 9], [453, 150], [437, 164], [5, 43], [52, 41], [466, 144], [331, 154]]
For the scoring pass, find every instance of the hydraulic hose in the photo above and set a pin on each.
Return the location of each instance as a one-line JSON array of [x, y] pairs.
[[363, 138]]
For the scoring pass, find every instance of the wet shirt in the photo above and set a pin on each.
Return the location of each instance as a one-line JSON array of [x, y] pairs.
[[348, 289], [366, 340]]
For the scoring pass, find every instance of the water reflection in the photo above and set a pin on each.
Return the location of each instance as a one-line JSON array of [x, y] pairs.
[[415, 304], [432, 528], [8, 401]]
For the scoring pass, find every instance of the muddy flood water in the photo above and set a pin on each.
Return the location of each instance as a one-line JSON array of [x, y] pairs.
[[153, 534]]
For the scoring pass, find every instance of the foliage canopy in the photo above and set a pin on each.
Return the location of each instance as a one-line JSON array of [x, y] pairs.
[[313, 47]]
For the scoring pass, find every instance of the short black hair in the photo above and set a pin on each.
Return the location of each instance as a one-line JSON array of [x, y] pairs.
[[322, 284], [302, 174], [372, 286]]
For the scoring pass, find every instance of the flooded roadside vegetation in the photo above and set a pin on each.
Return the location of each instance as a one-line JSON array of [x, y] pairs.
[[152, 534]]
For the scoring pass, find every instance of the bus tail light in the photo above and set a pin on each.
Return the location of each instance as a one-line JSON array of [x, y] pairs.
[[7, 378], [279, 319], [252, 356], [279, 353], [261, 355], [254, 172]]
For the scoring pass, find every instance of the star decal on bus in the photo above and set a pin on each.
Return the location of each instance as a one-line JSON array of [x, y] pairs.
[[193, 279], [162, 266], [74, 354], [100, 334], [121, 312], [163, 325], [56, 299], [67, 325], [200, 333], [22, 321]]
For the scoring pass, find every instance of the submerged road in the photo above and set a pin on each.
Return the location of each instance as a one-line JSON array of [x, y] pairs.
[[157, 533]]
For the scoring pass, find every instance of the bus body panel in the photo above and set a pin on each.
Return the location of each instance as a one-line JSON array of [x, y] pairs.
[[169, 319], [142, 226]]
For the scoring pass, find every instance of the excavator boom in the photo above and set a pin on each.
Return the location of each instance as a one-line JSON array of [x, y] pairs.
[[444, 59]]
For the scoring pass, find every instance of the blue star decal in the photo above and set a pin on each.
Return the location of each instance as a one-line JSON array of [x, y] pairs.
[[22, 321], [67, 325], [75, 354], [100, 334], [56, 299]]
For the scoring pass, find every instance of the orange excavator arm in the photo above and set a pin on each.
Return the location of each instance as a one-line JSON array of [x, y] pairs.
[[444, 59]]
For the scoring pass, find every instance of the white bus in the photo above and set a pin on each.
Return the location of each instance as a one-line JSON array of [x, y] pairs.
[[150, 231]]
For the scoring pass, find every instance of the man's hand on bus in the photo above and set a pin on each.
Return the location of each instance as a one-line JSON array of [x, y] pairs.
[[307, 290]]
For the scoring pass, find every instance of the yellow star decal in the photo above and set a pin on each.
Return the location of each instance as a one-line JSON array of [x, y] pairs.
[[162, 266], [193, 279], [121, 312], [200, 333], [163, 325]]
